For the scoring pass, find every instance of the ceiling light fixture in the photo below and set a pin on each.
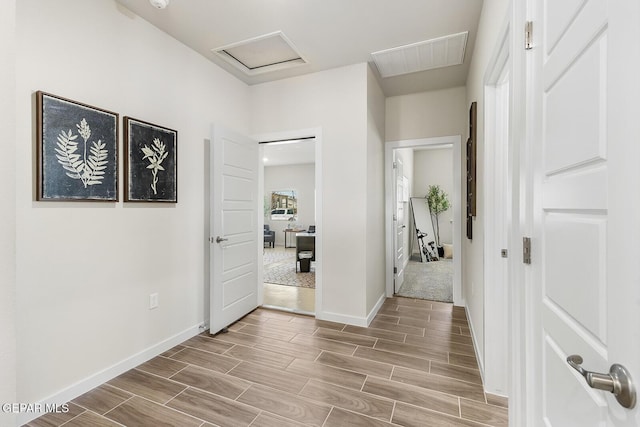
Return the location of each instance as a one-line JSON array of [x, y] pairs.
[[159, 4]]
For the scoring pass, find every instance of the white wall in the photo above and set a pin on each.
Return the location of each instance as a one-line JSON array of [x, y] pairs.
[[375, 193], [427, 114], [85, 270], [435, 167], [336, 101], [300, 178], [491, 21], [7, 209]]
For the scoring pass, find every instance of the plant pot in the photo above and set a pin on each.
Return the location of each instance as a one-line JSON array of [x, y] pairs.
[[440, 252]]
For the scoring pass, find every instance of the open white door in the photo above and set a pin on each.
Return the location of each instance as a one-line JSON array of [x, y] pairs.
[[586, 207], [400, 227], [233, 227]]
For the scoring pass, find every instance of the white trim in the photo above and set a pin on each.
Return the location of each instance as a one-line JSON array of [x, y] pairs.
[[495, 360], [101, 377], [456, 142], [521, 392], [296, 134], [342, 318], [376, 308], [260, 247], [475, 345]]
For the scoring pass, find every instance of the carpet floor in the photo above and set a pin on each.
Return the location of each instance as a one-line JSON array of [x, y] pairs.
[[280, 268], [428, 280]]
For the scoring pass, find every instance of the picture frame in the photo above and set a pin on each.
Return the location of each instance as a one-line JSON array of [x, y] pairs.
[[77, 151], [284, 205], [150, 162], [471, 155]]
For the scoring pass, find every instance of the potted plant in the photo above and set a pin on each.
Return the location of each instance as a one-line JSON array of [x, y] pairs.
[[438, 202]]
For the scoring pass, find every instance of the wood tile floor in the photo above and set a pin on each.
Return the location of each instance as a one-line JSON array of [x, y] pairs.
[[289, 298], [414, 366]]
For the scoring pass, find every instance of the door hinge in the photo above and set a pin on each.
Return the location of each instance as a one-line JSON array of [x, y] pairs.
[[504, 253], [526, 250], [395, 270], [395, 165], [528, 35]]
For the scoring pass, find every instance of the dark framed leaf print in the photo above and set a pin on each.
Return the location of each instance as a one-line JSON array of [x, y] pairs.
[[151, 162], [77, 150]]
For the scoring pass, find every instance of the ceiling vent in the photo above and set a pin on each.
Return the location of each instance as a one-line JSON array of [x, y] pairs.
[[261, 54], [421, 56]]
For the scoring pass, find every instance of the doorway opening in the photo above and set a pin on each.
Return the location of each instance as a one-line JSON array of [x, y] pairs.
[[290, 254], [424, 247], [405, 187]]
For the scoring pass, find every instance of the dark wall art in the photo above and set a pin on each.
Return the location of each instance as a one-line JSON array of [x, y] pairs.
[[471, 168], [77, 148], [151, 162]]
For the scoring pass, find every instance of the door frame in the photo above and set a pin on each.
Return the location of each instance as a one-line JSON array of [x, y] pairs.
[[283, 135], [521, 321], [498, 211], [390, 203]]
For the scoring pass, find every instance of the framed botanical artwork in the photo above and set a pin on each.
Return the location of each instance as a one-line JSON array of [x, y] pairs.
[[151, 162], [77, 150]]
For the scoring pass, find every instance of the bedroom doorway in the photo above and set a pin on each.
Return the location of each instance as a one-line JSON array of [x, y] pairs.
[[426, 272], [428, 267], [288, 177]]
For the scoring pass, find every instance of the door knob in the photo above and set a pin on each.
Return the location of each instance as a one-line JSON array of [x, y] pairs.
[[220, 239], [617, 381]]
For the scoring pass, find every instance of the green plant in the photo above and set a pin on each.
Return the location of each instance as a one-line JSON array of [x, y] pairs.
[[438, 202]]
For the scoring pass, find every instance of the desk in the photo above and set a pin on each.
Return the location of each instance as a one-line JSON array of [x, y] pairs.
[[287, 231]]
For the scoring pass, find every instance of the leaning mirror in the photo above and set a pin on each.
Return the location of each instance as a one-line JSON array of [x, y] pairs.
[[284, 205]]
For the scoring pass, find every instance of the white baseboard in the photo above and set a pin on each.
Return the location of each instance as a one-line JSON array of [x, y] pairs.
[[89, 383], [342, 318], [475, 345], [352, 320], [376, 308]]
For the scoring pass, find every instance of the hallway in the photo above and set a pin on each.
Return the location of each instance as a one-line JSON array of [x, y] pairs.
[[414, 366]]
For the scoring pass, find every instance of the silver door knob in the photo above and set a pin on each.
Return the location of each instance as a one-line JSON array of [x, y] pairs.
[[617, 381], [220, 239]]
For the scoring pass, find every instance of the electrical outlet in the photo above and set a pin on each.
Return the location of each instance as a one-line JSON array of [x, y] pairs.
[[153, 301]]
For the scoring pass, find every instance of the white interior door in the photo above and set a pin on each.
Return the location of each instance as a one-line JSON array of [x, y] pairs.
[[399, 225], [234, 230], [586, 206]]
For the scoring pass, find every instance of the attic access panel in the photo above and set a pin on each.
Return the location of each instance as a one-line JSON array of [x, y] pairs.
[[261, 54]]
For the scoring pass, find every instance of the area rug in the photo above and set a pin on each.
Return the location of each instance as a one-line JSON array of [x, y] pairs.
[[428, 280], [280, 268]]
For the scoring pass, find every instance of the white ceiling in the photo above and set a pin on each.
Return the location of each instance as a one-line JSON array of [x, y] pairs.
[[327, 33], [294, 153]]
